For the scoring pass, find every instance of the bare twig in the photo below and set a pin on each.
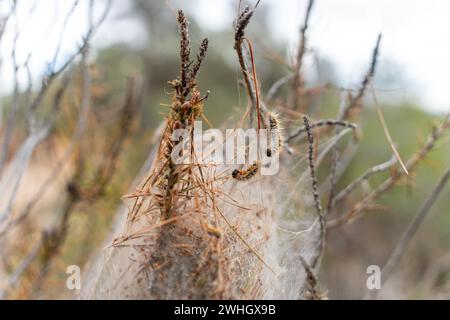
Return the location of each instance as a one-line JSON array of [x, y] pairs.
[[255, 82], [23, 156], [318, 205], [200, 57], [366, 175], [321, 123], [387, 133], [54, 73], [359, 209], [63, 31], [355, 101], [185, 52], [311, 280], [277, 85], [241, 23], [312, 166], [298, 81]]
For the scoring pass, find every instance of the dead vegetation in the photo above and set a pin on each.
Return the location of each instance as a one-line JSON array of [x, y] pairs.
[[208, 231]]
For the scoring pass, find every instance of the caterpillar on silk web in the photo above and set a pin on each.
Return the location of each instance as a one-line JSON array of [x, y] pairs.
[[246, 174], [275, 134]]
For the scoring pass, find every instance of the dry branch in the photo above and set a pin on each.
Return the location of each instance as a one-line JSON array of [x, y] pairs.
[[359, 209], [319, 124], [318, 205], [298, 81], [355, 101], [366, 175]]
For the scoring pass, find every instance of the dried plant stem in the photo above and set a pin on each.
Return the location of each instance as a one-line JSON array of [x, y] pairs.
[[277, 85], [312, 166], [366, 175], [298, 81], [182, 111], [359, 209], [311, 280], [241, 23], [318, 205], [185, 51], [319, 124], [200, 57], [353, 105], [255, 82], [410, 232], [386, 131], [355, 101]]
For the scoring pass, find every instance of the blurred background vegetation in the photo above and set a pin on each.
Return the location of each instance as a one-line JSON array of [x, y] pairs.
[[424, 272]]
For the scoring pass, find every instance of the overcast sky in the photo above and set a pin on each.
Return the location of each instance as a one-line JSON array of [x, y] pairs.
[[416, 36]]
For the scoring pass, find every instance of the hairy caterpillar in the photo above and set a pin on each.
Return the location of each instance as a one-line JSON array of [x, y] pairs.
[[212, 231], [275, 133], [246, 174]]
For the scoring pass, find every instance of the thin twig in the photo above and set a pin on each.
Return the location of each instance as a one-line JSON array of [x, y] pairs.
[[412, 229], [358, 209], [321, 123], [277, 85], [312, 167], [311, 280], [200, 57], [318, 205], [355, 101], [255, 82], [366, 175], [23, 156], [386, 131], [185, 51], [298, 82], [62, 33], [241, 23]]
